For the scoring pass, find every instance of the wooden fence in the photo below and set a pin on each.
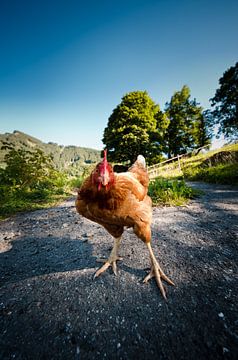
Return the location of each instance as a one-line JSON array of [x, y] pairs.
[[173, 164]]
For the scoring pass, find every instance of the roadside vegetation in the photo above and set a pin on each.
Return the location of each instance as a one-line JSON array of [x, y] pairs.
[[171, 192], [218, 166], [29, 181]]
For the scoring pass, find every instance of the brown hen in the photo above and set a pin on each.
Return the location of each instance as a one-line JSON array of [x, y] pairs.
[[120, 200]]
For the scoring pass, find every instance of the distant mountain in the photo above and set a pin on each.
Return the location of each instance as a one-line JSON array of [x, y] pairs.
[[73, 159]]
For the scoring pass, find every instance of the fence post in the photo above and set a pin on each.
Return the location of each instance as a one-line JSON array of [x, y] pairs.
[[179, 165]]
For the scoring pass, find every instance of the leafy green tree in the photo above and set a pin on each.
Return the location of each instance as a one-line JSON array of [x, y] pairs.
[[202, 132], [132, 129], [26, 169], [187, 127], [29, 175], [225, 103], [28, 179], [160, 139]]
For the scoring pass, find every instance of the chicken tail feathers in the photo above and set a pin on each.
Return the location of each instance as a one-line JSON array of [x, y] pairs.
[[138, 169], [141, 160]]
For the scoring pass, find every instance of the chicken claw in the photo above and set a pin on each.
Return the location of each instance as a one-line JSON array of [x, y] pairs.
[[157, 272], [107, 263], [112, 259]]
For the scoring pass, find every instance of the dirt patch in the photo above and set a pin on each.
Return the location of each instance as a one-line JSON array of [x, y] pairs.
[[51, 308]]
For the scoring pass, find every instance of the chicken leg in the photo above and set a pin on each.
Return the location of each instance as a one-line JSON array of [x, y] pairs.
[[157, 272], [111, 260]]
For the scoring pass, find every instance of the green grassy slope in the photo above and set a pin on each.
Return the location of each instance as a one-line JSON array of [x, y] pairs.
[[217, 166]]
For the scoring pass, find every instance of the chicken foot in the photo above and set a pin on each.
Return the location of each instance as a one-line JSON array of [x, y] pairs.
[[157, 272], [111, 260]]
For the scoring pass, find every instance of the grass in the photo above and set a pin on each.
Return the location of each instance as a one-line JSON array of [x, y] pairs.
[[12, 201], [15, 205], [219, 174], [170, 192], [217, 166]]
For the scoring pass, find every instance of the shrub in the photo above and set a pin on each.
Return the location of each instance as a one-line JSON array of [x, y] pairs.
[[28, 181], [170, 192]]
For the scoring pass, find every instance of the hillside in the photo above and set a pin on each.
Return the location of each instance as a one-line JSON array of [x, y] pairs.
[[73, 159], [216, 166]]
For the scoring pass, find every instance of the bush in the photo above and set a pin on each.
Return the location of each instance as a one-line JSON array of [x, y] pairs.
[[75, 183], [170, 192], [29, 181]]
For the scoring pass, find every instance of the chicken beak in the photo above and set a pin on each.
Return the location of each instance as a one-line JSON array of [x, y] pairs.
[[105, 179]]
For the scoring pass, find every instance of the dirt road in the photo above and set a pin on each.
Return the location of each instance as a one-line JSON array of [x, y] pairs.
[[51, 308]]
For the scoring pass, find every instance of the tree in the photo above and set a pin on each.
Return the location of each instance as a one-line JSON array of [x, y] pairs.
[[225, 103], [132, 129], [24, 168], [29, 178], [202, 134], [187, 125], [29, 175]]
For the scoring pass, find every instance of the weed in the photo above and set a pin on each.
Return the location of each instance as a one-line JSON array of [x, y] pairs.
[[170, 192]]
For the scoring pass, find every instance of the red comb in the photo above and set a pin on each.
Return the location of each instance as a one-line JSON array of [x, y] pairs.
[[105, 154]]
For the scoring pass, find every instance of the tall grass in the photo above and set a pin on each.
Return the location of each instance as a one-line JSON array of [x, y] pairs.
[[170, 192]]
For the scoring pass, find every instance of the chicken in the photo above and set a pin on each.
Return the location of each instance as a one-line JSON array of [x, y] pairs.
[[120, 200]]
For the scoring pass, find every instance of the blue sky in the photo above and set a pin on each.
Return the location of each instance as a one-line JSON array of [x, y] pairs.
[[65, 65]]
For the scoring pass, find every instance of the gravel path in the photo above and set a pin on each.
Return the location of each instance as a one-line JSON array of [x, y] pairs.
[[51, 308]]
